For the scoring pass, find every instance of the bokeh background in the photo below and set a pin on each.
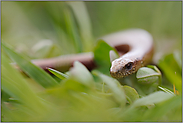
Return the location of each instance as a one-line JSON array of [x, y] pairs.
[[48, 29]]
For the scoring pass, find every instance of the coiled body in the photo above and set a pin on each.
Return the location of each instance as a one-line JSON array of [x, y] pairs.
[[135, 47]]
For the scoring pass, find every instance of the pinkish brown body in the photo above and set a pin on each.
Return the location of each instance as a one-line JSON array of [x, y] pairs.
[[134, 45]]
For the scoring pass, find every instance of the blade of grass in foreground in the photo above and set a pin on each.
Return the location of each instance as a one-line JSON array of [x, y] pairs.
[[149, 101], [155, 97], [172, 104], [114, 85], [15, 86], [30, 69]]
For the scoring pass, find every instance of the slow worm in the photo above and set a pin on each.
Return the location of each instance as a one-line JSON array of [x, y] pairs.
[[135, 47]]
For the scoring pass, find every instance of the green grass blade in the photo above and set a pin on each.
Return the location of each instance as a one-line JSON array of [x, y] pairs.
[[150, 100], [58, 74], [30, 69], [14, 85], [72, 29], [166, 90], [172, 106], [168, 66], [83, 19]]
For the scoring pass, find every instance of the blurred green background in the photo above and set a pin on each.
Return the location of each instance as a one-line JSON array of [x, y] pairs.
[[73, 27], [48, 29]]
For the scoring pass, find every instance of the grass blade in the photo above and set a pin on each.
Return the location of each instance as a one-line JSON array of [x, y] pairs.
[[30, 69], [170, 73], [58, 74], [72, 30], [83, 20], [14, 85], [166, 90]]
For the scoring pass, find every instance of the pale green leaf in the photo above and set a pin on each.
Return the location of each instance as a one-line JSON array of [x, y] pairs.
[[101, 56], [131, 94], [155, 97], [81, 74], [115, 87], [147, 75]]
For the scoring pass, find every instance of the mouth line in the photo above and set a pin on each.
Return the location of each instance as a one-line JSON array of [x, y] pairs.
[[120, 74], [117, 74]]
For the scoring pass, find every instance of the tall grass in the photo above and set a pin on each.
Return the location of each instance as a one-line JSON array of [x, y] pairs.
[[47, 29]]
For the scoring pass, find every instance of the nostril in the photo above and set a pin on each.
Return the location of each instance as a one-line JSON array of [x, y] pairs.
[[120, 70]]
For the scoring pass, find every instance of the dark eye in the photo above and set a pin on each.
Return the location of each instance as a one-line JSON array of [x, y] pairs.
[[129, 65]]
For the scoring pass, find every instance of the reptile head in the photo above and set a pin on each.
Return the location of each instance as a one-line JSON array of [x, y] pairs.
[[123, 67]]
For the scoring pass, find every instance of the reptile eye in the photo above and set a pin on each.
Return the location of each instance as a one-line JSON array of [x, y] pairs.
[[129, 66]]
